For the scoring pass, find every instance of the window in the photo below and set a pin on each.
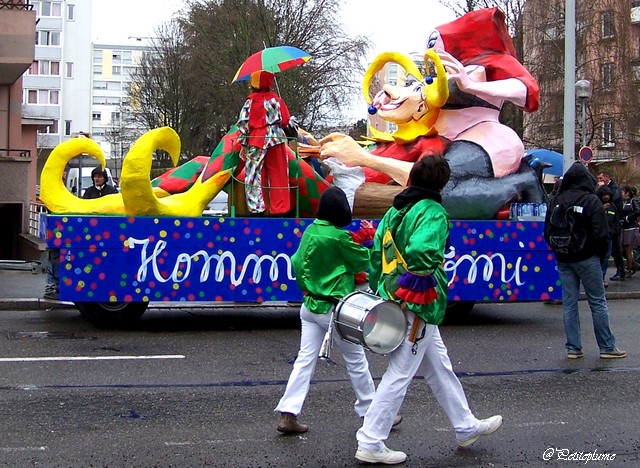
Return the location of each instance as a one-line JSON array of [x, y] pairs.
[[608, 134], [48, 38], [33, 69], [67, 127], [71, 12], [42, 96], [47, 67], [99, 84], [115, 117], [114, 86], [116, 70], [51, 128], [51, 9], [607, 71], [69, 73], [608, 27], [96, 115]]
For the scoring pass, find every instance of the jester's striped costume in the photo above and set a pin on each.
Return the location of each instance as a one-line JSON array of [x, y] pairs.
[[261, 123]]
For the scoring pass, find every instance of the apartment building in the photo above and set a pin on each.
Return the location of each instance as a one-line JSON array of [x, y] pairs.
[[111, 124], [17, 134], [608, 56], [57, 85]]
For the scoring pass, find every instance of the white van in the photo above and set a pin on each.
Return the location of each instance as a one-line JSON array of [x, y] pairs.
[[72, 183]]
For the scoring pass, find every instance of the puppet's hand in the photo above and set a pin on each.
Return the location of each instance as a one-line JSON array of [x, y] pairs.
[[456, 71], [344, 148]]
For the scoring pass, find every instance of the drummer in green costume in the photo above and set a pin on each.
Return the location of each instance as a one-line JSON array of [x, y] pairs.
[[325, 265], [407, 267]]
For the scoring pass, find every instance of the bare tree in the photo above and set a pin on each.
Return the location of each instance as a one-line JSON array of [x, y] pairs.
[[163, 92], [185, 82], [606, 51]]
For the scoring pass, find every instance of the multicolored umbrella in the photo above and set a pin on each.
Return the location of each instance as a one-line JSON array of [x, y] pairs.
[[272, 59]]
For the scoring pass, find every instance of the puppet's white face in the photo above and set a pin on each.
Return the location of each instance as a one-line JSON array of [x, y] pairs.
[[401, 104]]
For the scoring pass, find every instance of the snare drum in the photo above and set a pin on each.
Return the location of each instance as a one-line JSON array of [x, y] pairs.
[[377, 324]]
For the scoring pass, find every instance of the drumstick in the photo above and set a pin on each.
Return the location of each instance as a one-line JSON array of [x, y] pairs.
[[415, 326]]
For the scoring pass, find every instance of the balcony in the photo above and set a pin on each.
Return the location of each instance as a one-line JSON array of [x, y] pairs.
[[17, 39]]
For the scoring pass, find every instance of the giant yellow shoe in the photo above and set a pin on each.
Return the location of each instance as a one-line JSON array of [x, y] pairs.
[[137, 196]]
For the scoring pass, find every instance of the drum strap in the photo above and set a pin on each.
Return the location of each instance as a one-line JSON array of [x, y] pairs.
[[390, 254]]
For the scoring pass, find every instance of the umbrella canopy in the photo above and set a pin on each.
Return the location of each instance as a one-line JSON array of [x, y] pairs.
[[272, 59], [555, 159]]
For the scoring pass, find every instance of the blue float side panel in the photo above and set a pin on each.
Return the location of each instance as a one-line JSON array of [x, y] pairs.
[[109, 258]]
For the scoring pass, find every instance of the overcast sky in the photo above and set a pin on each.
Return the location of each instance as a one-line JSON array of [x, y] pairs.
[[393, 25]]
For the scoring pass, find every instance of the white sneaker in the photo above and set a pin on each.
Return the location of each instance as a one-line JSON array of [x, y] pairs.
[[386, 456], [487, 426]]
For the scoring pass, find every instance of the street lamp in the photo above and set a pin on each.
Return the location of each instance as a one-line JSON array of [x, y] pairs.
[[583, 92]]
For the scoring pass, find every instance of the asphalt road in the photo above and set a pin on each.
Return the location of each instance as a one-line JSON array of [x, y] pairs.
[[194, 389]]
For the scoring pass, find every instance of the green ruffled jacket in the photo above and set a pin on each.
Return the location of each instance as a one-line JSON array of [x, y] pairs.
[[325, 264], [420, 232]]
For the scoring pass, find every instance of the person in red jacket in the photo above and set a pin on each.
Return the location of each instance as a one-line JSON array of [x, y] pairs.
[[261, 124]]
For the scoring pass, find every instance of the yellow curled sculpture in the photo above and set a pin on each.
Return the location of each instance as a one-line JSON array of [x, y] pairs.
[[137, 197]]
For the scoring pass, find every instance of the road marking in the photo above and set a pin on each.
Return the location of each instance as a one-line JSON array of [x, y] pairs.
[[90, 358], [23, 449], [212, 442]]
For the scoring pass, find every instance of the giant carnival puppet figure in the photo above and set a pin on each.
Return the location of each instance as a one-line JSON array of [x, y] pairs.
[[261, 124], [476, 55]]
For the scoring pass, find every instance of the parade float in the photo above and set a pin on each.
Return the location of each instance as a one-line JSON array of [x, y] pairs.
[[151, 243]]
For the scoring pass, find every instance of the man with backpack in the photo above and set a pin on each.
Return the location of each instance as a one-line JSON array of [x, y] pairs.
[[576, 230]]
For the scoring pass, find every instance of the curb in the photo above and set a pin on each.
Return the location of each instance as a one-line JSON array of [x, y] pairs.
[[48, 304]]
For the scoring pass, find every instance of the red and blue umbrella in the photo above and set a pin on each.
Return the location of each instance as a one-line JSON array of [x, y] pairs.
[[272, 59]]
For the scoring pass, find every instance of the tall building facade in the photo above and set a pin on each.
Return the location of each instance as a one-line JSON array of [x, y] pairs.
[[17, 134], [112, 125], [57, 85], [608, 57]]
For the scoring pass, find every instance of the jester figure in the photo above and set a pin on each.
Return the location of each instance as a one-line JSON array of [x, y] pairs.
[[261, 123], [453, 111]]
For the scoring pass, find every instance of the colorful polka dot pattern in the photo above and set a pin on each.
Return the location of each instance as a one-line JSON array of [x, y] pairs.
[[112, 259], [501, 261]]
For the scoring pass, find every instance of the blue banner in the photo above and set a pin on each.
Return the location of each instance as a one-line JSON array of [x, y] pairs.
[[109, 258]]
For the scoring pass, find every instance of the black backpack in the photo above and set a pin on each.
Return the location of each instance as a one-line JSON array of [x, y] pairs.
[[565, 234]]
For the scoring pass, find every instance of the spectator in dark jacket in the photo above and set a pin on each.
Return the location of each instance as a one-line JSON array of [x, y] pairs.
[[606, 180], [578, 189], [613, 221], [629, 216], [100, 186]]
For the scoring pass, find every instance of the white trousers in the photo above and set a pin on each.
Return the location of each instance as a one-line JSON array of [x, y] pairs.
[[431, 361], [314, 328]]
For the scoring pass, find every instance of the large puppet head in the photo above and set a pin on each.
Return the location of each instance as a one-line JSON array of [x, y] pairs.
[[414, 109], [481, 37]]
